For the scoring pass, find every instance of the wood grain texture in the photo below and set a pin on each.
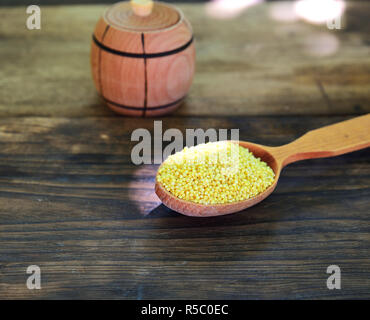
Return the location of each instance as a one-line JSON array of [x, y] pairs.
[[126, 15], [72, 202], [329, 141], [129, 78], [251, 65]]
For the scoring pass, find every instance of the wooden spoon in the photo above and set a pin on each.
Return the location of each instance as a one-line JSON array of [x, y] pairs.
[[329, 141]]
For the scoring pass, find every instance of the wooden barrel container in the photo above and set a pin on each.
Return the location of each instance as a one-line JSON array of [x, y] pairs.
[[143, 66]]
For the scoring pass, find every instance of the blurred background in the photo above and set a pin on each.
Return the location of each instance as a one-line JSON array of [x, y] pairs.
[[64, 2], [314, 11]]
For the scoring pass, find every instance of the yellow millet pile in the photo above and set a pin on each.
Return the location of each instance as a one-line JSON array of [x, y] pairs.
[[215, 173]]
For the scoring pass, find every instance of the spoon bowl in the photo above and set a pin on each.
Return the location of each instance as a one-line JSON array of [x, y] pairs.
[[329, 141]]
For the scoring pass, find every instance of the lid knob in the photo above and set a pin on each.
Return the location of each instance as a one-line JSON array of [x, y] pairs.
[[142, 8]]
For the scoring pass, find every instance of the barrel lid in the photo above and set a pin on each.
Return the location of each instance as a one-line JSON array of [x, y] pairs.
[[121, 16]]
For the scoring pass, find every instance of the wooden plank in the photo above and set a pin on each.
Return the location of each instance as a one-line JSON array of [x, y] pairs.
[[72, 202], [250, 65]]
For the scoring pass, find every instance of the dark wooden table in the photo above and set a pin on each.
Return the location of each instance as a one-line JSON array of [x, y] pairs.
[[72, 202]]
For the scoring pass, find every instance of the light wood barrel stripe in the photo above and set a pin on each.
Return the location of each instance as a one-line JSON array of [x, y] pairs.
[[142, 55], [143, 108], [99, 68], [145, 77]]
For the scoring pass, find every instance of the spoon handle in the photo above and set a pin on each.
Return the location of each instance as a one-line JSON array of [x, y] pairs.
[[329, 141]]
